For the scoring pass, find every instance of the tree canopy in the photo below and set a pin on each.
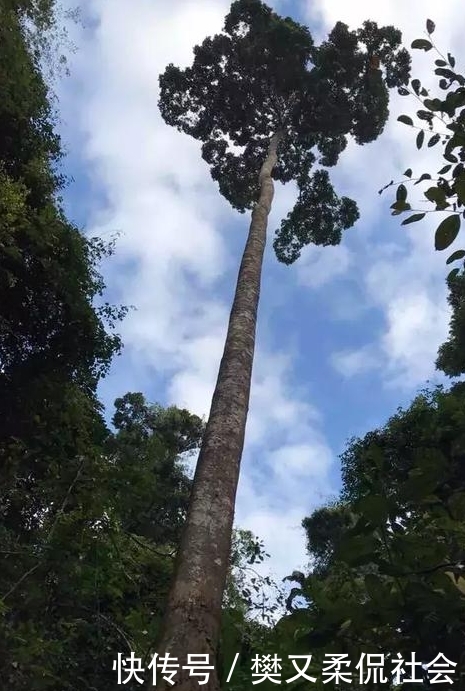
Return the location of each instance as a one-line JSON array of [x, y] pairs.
[[264, 74]]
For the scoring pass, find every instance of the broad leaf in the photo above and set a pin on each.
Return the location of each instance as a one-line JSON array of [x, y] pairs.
[[447, 232], [422, 44], [430, 26], [458, 254], [401, 194], [413, 219], [406, 119], [445, 169], [452, 274], [424, 176]]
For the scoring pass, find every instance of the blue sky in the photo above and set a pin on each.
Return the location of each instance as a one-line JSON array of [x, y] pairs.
[[345, 335]]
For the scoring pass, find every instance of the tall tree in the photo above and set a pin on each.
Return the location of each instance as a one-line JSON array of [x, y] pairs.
[[285, 104]]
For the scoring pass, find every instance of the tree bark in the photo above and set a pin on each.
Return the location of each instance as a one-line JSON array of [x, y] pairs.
[[193, 614]]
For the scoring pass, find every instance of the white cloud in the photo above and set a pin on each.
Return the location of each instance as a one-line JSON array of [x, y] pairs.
[[321, 265], [351, 363], [416, 327]]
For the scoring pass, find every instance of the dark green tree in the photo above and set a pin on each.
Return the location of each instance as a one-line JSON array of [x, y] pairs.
[[325, 529], [286, 105], [90, 579], [393, 580], [54, 343], [451, 355]]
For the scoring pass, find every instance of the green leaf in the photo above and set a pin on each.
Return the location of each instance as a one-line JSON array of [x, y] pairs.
[[401, 194], [443, 72], [458, 254], [440, 63], [435, 194], [407, 120], [445, 169], [400, 207], [416, 85], [420, 139], [422, 44], [425, 115], [434, 104], [373, 507], [451, 60], [413, 219], [373, 586], [358, 549], [446, 232], [430, 26], [424, 176], [452, 274], [434, 140], [402, 91], [450, 157], [345, 625], [460, 189], [408, 173]]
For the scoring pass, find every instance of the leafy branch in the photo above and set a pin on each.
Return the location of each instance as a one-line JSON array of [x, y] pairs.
[[447, 194]]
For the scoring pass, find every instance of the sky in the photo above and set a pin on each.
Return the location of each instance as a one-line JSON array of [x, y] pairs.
[[345, 335]]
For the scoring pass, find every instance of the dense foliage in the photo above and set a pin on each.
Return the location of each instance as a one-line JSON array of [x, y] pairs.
[[264, 74], [390, 554]]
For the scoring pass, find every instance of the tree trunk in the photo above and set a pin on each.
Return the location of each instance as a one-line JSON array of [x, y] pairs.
[[193, 614]]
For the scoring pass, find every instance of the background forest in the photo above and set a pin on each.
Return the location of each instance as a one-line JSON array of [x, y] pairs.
[[118, 257]]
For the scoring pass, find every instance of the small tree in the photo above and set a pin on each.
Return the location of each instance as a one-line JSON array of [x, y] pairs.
[[285, 104]]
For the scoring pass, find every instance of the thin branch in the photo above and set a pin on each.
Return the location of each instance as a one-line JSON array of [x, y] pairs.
[[170, 555]]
